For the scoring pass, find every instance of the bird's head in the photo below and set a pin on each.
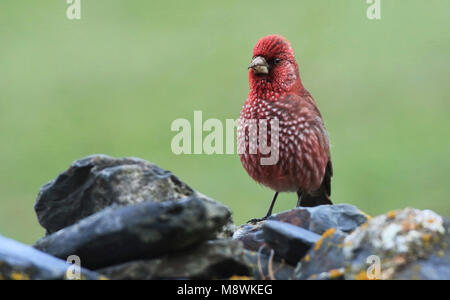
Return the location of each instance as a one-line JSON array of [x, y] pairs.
[[273, 67]]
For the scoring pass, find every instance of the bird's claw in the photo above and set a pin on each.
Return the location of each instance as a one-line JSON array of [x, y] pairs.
[[254, 221]]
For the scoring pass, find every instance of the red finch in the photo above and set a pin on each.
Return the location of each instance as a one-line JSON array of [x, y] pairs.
[[276, 93]]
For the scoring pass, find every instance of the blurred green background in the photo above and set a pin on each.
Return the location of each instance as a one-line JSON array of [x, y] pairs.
[[114, 81]]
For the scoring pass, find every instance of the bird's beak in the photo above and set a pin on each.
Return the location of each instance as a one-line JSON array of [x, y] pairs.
[[259, 66]]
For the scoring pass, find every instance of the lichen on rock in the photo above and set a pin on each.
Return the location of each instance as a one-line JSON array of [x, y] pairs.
[[400, 239]]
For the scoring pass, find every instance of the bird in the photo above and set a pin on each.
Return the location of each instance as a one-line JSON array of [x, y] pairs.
[[276, 93]]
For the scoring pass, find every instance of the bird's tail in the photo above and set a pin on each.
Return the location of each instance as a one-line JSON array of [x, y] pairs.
[[322, 195]]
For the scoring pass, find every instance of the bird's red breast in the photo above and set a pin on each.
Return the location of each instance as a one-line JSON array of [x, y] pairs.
[[276, 92]]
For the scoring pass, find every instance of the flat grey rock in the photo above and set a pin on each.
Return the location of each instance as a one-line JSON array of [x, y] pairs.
[[145, 230], [289, 242], [343, 217], [21, 262]]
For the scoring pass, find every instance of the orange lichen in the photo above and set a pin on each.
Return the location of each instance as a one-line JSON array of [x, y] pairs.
[[361, 276], [426, 238], [408, 226], [391, 215], [336, 273], [325, 235], [19, 276], [237, 277]]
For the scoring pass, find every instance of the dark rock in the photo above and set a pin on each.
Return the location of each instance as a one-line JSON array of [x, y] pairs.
[[343, 217], [22, 262], [137, 221], [145, 230], [407, 244], [325, 260], [219, 259], [288, 241], [96, 182], [212, 260]]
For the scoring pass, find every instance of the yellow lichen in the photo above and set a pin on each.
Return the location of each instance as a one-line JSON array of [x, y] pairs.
[[364, 226], [325, 235], [361, 276], [313, 276], [426, 238], [336, 273], [101, 277], [19, 276], [440, 253], [237, 277], [306, 258], [369, 217], [391, 215]]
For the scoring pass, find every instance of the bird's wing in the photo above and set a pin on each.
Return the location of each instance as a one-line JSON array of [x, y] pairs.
[[304, 106]]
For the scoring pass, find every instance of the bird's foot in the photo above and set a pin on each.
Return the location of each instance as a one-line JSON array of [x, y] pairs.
[[254, 221]]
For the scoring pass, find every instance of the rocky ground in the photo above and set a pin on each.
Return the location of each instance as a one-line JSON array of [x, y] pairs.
[[130, 219]]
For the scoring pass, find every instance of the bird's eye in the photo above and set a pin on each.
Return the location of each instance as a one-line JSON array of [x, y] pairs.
[[276, 61]]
